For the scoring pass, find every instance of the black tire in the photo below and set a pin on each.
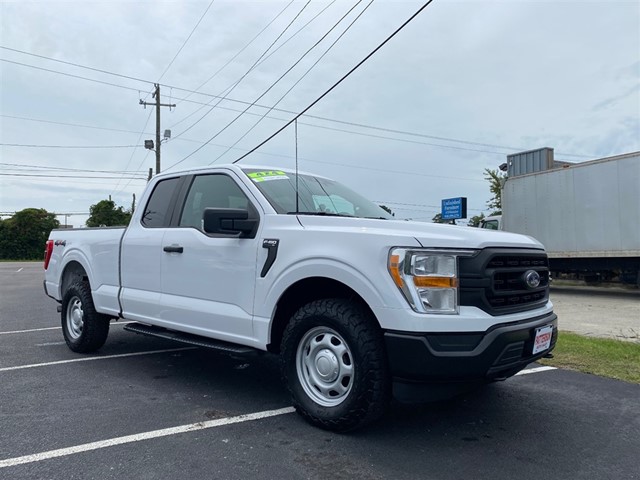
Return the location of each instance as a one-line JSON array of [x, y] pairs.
[[350, 385], [84, 329]]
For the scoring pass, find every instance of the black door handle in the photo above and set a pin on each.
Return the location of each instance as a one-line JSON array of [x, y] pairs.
[[173, 249]]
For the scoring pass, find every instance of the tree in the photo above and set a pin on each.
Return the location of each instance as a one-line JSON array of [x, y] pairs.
[[438, 219], [475, 220], [388, 210], [105, 214], [496, 180], [23, 236]]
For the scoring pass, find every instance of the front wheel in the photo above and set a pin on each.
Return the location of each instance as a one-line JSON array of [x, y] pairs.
[[334, 365], [84, 329]]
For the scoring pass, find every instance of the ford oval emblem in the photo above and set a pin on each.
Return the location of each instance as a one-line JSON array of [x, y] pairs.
[[532, 279]]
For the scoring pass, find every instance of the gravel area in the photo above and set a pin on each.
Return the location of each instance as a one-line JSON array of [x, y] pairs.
[[598, 312]]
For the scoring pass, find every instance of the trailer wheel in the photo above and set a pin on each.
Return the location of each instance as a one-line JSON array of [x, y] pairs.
[[334, 364], [84, 329]]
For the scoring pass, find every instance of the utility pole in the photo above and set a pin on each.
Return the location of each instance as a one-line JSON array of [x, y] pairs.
[[157, 104]]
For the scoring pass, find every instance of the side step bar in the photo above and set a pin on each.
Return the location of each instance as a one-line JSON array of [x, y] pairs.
[[219, 345]]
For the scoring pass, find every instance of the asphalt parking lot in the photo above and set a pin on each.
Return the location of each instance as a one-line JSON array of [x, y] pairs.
[[149, 408]]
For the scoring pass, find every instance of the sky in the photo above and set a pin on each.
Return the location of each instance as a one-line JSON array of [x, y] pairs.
[[461, 86]]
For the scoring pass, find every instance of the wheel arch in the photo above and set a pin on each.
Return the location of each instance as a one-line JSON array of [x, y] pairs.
[[302, 292], [73, 272]]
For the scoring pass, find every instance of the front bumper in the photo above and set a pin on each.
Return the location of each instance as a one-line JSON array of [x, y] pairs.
[[439, 358]]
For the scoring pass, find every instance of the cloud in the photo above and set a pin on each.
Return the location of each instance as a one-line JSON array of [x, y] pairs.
[[515, 74]]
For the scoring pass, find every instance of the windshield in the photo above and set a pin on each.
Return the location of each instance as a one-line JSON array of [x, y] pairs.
[[317, 196]]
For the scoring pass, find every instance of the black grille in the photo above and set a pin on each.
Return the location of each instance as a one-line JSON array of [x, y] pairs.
[[518, 261], [495, 280]]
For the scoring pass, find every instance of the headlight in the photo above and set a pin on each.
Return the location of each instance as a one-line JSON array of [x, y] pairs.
[[428, 279]]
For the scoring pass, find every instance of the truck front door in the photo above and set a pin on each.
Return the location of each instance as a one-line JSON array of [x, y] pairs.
[[208, 281]]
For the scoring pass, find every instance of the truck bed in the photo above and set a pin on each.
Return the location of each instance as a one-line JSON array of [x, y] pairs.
[[97, 250]]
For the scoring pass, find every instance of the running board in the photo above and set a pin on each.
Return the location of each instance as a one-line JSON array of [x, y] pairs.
[[197, 340]]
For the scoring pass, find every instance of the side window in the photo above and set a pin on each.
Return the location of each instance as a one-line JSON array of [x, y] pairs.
[[491, 225], [157, 213], [216, 191]]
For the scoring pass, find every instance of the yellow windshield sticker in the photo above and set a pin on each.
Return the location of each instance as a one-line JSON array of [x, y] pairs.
[[267, 175]]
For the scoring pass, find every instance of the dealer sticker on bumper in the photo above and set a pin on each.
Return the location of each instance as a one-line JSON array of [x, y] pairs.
[[542, 340]]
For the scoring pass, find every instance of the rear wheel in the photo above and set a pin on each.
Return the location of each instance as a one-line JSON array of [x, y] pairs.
[[334, 364], [84, 329]]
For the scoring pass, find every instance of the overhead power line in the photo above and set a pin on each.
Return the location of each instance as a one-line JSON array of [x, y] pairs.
[[260, 62], [73, 76], [344, 77], [371, 135], [63, 176], [118, 190], [369, 168], [65, 169], [149, 82], [267, 90], [185, 42], [303, 75], [85, 67], [230, 89], [371, 127], [53, 213], [313, 125], [79, 125], [135, 149], [232, 59], [141, 133], [64, 146]]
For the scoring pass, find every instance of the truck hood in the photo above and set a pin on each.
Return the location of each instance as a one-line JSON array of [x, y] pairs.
[[429, 235]]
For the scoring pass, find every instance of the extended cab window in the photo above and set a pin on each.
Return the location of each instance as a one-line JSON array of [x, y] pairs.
[[157, 213], [491, 225], [212, 191]]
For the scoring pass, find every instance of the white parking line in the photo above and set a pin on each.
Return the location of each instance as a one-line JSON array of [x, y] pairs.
[[88, 359], [49, 328], [18, 271], [193, 427], [30, 330], [535, 370]]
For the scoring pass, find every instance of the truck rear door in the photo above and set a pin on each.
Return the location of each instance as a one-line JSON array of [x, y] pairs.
[[141, 254]]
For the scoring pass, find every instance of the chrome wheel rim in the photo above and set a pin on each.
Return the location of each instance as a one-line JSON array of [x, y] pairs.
[[325, 367], [75, 318]]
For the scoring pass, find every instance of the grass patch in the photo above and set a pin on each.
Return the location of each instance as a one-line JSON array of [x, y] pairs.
[[600, 356]]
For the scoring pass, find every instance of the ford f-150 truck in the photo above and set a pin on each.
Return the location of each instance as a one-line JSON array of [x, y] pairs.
[[358, 306]]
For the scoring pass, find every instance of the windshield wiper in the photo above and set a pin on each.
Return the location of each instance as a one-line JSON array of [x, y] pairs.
[[377, 218], [322, 214]]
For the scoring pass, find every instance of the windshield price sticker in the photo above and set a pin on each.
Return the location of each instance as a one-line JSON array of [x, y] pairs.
[[543, 339], [267, 175]]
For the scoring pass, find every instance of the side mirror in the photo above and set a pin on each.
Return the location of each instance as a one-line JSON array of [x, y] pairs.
[[228, 221]]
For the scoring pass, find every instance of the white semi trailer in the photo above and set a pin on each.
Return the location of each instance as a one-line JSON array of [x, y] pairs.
[[587, 215]]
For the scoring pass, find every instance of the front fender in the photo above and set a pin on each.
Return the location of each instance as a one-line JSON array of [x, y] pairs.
[[376, 295]]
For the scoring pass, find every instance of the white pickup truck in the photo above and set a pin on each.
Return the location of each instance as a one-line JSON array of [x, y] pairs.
[[359, 306]]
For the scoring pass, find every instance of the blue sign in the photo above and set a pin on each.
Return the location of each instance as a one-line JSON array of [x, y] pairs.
[[454, 208]]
